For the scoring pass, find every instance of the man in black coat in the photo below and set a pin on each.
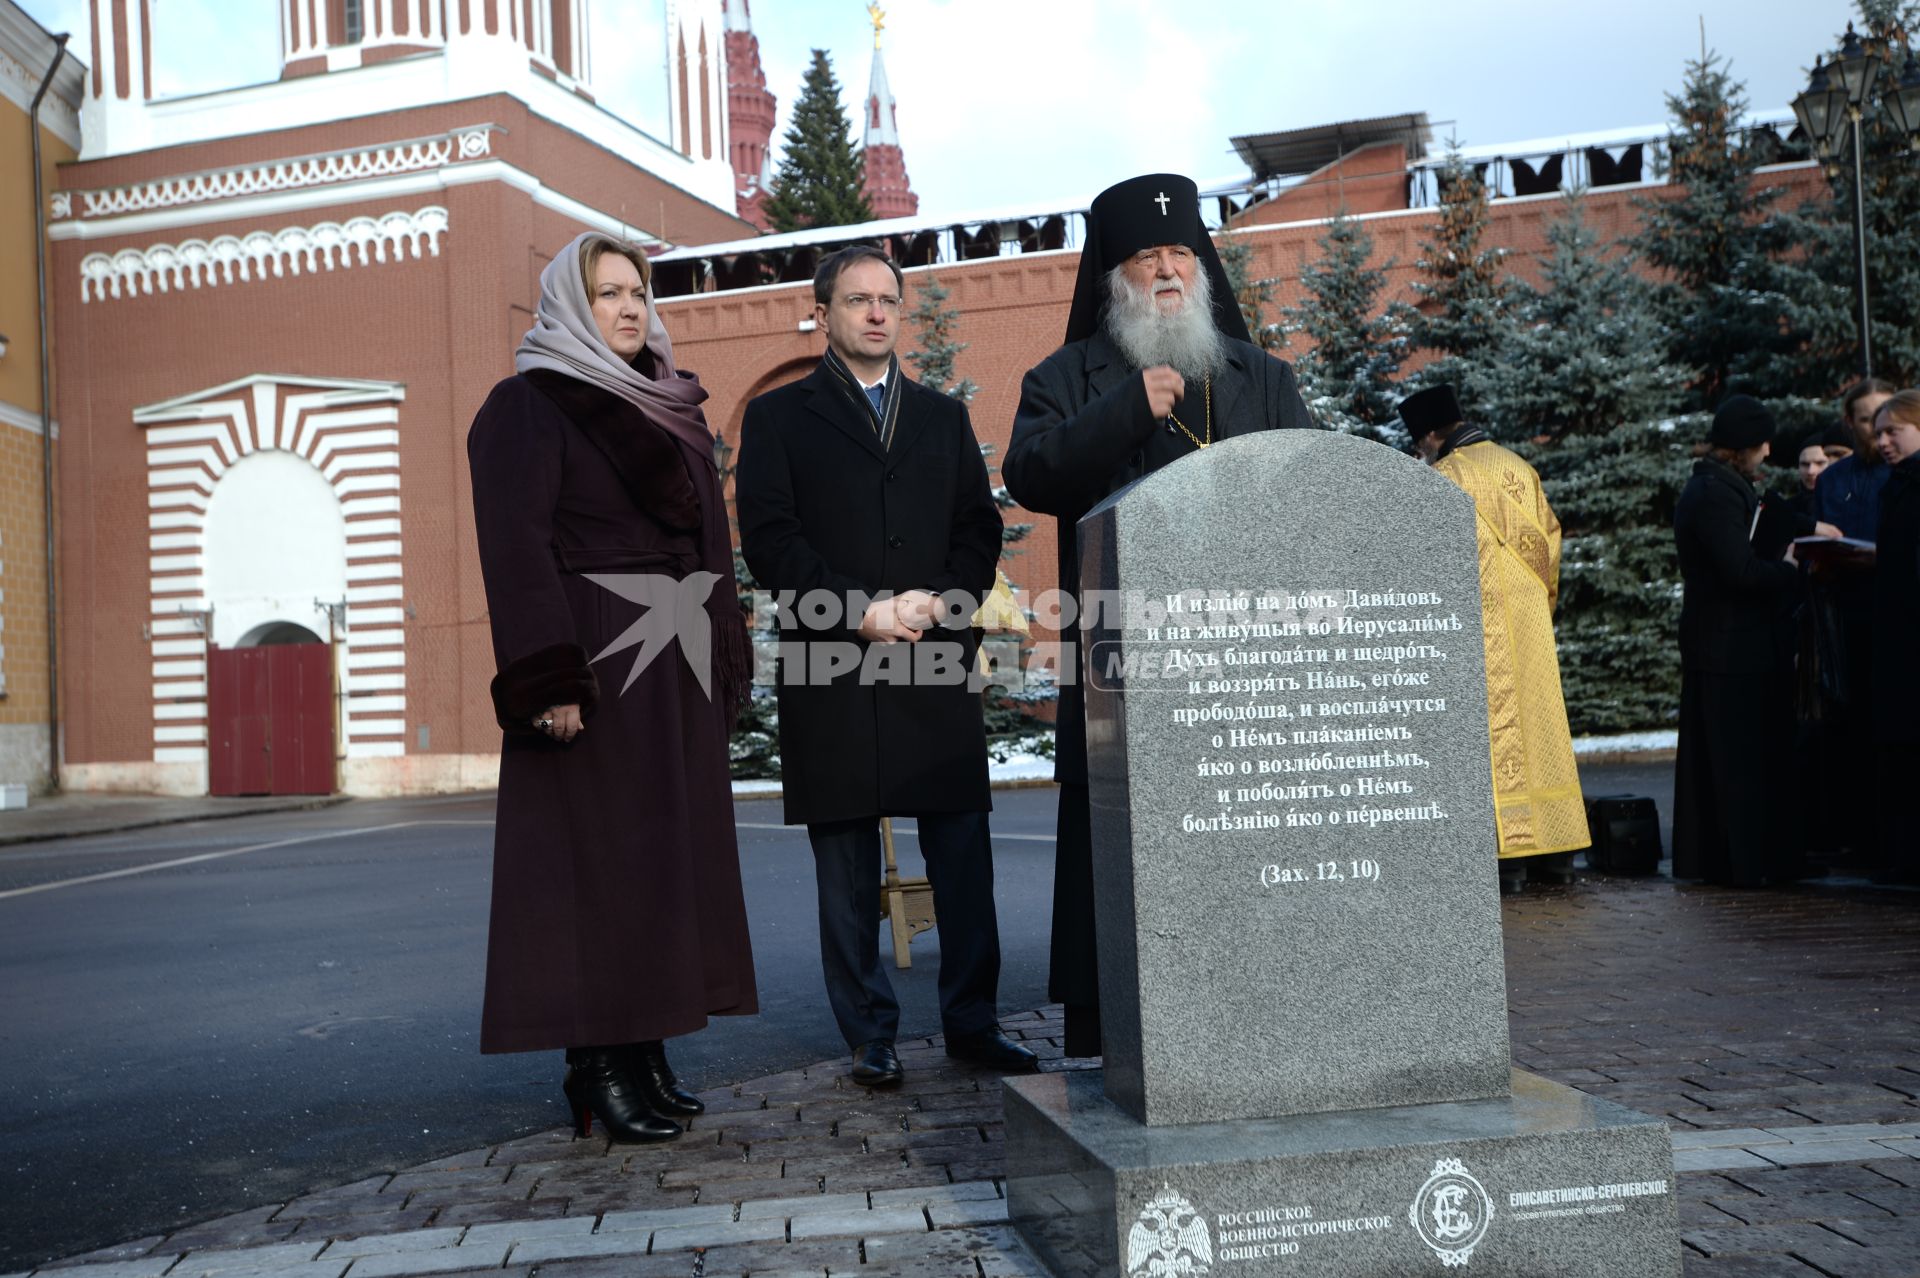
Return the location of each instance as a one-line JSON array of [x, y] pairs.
[[1156, 366], [866, 510], [1736, 664]]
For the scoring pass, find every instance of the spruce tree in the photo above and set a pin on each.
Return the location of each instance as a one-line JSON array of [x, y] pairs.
[[1822, 282], [1253, 293], [1013, 710], [1716, 247], [822, 178], [933, 363], [753, 751], [1347, 378], [1584, 392], [1585, 348], [1464, 290]]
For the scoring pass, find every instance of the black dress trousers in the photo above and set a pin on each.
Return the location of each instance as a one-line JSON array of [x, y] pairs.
[[958, 849]]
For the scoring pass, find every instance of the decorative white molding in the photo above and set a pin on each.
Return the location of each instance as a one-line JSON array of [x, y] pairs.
[[400, 187], [411, 156], [228, 258]]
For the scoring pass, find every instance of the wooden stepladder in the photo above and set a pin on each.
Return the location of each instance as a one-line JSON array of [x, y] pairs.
[[907, 903]]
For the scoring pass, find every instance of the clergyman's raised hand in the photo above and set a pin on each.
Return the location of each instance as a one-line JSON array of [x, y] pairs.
[[1165, 388]]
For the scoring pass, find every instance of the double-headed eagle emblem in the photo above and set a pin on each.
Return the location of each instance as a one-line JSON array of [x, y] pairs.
[[1170, 1240]]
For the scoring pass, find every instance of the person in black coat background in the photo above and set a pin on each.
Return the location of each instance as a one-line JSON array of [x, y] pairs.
[[1156, 366], [866, 493], [1896, 639], [1736, 664]]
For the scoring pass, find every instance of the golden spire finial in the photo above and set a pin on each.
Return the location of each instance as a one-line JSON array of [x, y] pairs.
[[879, 18]]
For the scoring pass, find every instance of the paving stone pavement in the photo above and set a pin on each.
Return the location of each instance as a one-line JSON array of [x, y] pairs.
[[1778, 1033]]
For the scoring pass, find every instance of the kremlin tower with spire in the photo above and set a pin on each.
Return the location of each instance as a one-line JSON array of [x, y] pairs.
[[749, 115], [888, 189]]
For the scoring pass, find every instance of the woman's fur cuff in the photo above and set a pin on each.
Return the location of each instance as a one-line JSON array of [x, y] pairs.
[[554, 676]]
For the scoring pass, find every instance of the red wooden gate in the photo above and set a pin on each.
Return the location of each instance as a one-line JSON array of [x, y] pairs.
[[270, 719]]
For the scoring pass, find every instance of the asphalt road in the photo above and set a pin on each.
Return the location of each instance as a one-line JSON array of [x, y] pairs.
[[198, 1019], [301, 1008]]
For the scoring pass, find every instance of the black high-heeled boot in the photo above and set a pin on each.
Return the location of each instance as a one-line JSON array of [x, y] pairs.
[[598, 1086], [648, 1064]]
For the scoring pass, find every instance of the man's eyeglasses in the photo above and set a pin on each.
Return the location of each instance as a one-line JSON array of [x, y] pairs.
[[861, 301]]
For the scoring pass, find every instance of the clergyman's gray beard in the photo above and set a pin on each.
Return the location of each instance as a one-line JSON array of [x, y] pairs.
[[1185, 340]]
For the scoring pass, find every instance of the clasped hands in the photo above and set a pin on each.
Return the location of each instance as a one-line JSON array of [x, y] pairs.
[[901, 618]]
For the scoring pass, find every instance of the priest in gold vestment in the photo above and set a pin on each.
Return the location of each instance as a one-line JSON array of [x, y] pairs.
[[1536, 788]]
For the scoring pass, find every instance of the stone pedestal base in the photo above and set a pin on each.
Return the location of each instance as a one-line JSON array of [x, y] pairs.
[[1545, 1183]]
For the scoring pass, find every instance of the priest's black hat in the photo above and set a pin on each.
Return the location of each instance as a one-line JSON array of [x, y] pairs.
[[1435, 408], [1142, 213], [1741, 421]]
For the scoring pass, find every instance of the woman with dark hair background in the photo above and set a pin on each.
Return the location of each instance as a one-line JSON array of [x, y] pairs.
[[617, 917]]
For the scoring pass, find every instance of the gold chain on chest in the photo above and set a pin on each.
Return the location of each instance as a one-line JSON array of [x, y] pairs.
[[1198, 442]]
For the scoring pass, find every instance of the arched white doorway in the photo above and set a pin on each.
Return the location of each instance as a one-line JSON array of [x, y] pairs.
[[276, 549], [274, 633], [274, 501]]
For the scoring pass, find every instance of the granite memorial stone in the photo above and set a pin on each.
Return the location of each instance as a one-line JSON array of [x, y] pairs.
[[1297, 904], [1287, 754]]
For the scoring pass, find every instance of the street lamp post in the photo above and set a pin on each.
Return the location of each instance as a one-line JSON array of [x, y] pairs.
[[1838, 100]]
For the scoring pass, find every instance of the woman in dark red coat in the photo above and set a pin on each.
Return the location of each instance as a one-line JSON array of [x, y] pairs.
[[617, 913]]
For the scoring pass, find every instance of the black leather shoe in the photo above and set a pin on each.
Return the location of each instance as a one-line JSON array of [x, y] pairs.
[[875, 1065], [993, 1049], [647, 1063], [598, 1086]]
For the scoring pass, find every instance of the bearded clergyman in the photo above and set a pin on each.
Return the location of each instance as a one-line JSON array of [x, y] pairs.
[[1157, 365]]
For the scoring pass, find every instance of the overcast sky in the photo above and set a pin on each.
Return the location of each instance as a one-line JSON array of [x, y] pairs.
[[1011, 101]]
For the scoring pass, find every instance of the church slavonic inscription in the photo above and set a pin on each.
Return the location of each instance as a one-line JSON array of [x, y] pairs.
[[1303, 710]]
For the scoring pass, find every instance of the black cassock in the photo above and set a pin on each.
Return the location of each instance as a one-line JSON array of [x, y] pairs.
[[1736, 710], [1083, 431]]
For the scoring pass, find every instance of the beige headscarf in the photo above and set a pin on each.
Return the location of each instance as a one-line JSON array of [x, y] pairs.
[[564, 339]]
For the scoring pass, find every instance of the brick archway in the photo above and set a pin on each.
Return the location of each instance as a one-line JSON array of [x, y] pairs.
[[349, 432], [788, 371]]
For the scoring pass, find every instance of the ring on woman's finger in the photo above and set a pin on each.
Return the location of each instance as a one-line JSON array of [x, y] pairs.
[[545, 725]]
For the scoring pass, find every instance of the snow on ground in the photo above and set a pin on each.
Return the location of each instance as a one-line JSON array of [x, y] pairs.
[[1626, 742]]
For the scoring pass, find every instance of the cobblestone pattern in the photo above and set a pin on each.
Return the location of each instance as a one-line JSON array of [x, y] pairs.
[[1778, 1033]]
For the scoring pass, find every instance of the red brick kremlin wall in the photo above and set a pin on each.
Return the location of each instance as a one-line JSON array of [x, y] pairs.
[[1014, 309]]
